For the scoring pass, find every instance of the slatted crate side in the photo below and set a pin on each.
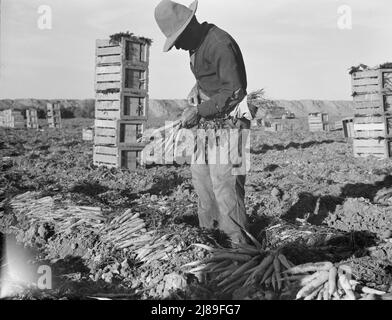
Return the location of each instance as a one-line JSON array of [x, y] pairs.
[[114, 77], [108, 77], [127, 157], [380, 148], [369, 130], [107, 105], [318, 117], [32, 118], [372, 81], [318, 122], [366, 81], [118, 133], [375, 103], [316, 127], [109, 161], [371, 126], [129, 107], [133, 51], [108, 60], [103, 86], [2, 119], [380, 127], [108, 114], [370, 119], [108, 96], [108, 51]]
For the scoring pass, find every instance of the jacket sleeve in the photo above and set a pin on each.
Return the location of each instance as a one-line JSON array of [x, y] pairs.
[[231, 90]]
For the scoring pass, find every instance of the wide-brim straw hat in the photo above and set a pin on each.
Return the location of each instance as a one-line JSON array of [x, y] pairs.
[[173, 18]]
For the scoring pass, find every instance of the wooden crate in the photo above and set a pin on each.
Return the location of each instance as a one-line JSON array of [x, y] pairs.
[[118, 157], [380, 148], [338, 125], [88, 134], [132, 50], [372, 103], [2, 119], [373, 126], [32, 119], [53, 115], [121, 106], [371, 81], [318, 122], [348, 127], [13, 119], [122, 66], [130, 79], [118, 132], [274, 127]]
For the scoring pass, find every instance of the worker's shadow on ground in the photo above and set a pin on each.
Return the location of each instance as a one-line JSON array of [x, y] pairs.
[[307, 202], [280, 147]]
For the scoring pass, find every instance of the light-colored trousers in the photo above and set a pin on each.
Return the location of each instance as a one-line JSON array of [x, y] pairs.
[[221, 190]]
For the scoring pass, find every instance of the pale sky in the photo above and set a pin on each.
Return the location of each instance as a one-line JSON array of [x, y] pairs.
[[292, 48]]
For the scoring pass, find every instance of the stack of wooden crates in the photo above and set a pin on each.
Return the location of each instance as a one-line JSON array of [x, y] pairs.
[[121, 105], [318, 122], [32, 118], [372, 92], [12, 119], [53, 114]]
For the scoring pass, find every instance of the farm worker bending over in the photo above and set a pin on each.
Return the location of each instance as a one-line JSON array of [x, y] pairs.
[[218, 66]]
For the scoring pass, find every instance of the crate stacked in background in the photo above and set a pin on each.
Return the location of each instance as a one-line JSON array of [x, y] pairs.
[[121, 105], [2, 119], [88, 134], [318, 122], [348, 127], [32, 118], [274, 127], [372, 92], [53, 115], [12, 119]]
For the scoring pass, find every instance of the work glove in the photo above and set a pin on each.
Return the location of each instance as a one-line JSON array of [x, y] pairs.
[[190, 117]]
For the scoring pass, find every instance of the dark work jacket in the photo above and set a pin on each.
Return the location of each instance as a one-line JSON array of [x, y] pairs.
[[220, 72]]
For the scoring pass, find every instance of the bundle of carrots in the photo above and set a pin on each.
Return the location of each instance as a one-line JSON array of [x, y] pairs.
[[241, 267], [66, 219], [126, 230], [324, 281]]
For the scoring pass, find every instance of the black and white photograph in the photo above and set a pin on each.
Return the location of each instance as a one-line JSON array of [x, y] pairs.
[[199, 156]]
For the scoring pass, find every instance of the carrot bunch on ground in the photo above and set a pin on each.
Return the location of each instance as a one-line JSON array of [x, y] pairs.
[[240, 267], [129, 231], [126, 230], [324, 281]]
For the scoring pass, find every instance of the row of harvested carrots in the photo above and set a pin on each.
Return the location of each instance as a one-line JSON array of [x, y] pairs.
[[324, 281], [232, 269], [243, 266]]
